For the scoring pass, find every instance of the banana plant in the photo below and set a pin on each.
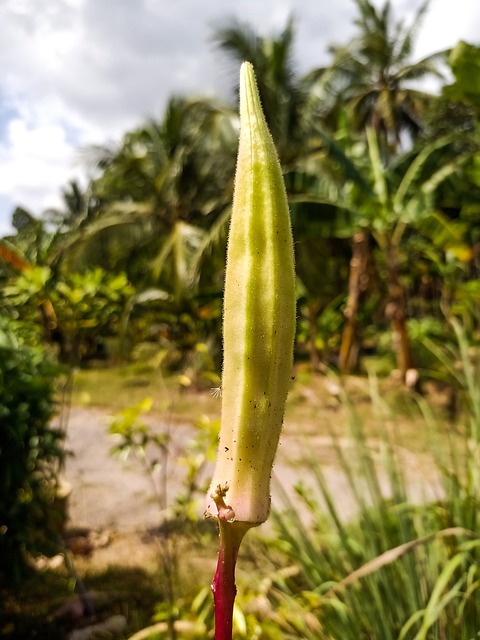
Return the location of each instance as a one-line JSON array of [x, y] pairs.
[[400, 200], [258, 335]]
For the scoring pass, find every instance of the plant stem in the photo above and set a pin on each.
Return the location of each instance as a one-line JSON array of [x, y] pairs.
[[223, 586]]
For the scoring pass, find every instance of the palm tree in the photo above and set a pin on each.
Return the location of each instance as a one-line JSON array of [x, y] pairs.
[[370, 85], [400, 201], [78, 205], [372, 75], [167, 179], [163, 196], [315, 165], [282, 96]]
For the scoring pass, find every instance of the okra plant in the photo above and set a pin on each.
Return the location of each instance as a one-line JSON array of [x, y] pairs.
[[258, 335]]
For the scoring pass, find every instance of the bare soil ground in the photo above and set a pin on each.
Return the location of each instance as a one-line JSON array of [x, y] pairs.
[[113, 508], [115, 499], [109, 493]]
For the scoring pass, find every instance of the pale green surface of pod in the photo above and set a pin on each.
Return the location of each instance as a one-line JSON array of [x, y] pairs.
[[259, 319]]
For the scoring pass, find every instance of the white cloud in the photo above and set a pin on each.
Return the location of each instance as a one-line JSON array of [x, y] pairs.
[[35, 159], [446, 23]]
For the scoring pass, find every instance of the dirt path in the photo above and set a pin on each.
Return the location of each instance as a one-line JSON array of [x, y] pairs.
[[115, 495], [109, 492]]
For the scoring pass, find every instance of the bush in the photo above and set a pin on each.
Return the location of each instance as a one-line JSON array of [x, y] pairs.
[[30, 454], [406, 567]]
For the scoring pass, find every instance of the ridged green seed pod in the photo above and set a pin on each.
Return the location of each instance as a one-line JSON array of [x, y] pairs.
[[258, 323]]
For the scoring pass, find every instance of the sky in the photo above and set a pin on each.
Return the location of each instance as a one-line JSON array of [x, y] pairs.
[[75, 73]]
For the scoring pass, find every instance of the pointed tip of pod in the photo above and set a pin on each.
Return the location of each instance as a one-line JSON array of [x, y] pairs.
[[246, 72], [247, 76], [250, 106]]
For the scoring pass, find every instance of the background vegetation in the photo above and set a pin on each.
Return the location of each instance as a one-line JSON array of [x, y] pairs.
[[383, 181]]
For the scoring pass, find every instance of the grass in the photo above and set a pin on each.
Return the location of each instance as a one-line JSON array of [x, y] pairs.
[[395, 570], [117, 387], [323, 575]]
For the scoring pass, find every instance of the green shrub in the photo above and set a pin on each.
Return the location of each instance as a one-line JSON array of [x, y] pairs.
[[30, 454], [402, 566], [80, 311]]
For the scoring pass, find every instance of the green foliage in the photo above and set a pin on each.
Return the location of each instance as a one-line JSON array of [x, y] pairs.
[[133, 434], [427, 329], [178, 515], [464, 61], [162, 190], [396, 569], [135, 437], [30, 454], [184, 337], [89, 308], [78, 311], [394, 572], [371, 76]]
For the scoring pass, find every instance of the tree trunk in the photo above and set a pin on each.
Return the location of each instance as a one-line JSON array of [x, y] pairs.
[[357, 285], [396, 313]]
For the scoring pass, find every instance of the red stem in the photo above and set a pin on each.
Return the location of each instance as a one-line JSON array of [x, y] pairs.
[[223, 586]]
